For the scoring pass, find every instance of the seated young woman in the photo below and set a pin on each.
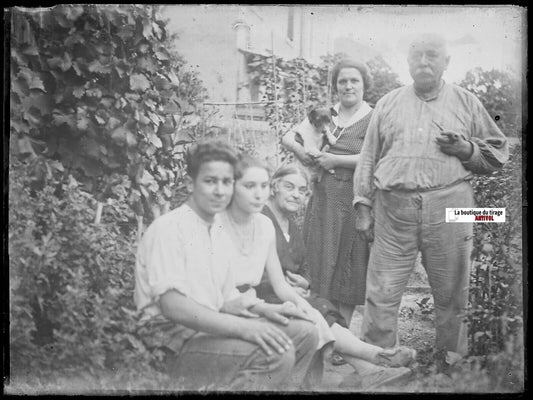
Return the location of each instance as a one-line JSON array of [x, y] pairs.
[[188, 304], [255, 254]]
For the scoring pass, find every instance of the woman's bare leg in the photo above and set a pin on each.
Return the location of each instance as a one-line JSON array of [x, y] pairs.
[[349, 344]]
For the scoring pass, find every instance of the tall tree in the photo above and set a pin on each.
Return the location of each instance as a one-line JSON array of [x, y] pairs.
[[501, 94], [384, 79]]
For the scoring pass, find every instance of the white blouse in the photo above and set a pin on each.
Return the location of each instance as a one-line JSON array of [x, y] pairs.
[[183, 252], [248, 268], [359, 114]]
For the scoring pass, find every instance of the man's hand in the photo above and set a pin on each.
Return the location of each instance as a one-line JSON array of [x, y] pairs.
[[241, 306], [364, 221], [295, 279], [455, 144], [280, 313], [268, 336]]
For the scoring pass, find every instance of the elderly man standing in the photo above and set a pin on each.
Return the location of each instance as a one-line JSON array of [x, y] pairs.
[[422, 146]]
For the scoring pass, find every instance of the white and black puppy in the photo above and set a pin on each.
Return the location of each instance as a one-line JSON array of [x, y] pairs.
[[315, 133]]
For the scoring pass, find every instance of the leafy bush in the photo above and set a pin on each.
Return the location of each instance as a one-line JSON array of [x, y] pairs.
[[101, 110], [495, 315], [71, 282], [501, 95], [500, 372], [101, 90], [384, 80]]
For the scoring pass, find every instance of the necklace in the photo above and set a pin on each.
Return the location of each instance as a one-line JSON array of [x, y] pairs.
[[244, 236], [342, 122]]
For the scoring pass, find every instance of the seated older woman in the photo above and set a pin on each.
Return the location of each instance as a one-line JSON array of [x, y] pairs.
[[289, 187], [256, 256]]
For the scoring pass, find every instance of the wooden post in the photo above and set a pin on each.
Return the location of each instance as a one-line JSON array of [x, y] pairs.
[[156, 210], [139, 227], [250, 124], [328, 79], [236, 118], [304, 96], [202, 120], [99, 208], [329, 84], [166, 207], [231, 103], [275, 98]]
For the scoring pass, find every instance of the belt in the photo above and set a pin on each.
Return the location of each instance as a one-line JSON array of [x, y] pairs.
[[431, 189]]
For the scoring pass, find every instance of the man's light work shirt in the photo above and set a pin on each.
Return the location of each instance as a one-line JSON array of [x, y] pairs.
[[400, 150]]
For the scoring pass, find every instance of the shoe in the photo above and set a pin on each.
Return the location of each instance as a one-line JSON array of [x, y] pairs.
[[385, 377], [337, 359], [398, 357], [351, 381]]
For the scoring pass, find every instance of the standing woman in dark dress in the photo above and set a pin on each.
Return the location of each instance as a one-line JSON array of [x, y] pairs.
[[336, 254]]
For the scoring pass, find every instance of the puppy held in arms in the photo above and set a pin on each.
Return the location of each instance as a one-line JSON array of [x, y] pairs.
[[314, 132]]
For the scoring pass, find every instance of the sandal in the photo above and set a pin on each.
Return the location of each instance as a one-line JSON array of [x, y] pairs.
[[398, 357], [337, 359]]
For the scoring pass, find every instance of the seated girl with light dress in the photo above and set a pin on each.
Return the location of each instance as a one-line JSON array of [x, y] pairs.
[[254, 254]]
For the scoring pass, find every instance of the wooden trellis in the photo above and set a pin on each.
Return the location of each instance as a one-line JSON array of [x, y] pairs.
[[275, 96]]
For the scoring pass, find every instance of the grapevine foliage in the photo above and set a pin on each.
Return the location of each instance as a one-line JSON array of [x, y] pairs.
[[97, 90], [292, 87]]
